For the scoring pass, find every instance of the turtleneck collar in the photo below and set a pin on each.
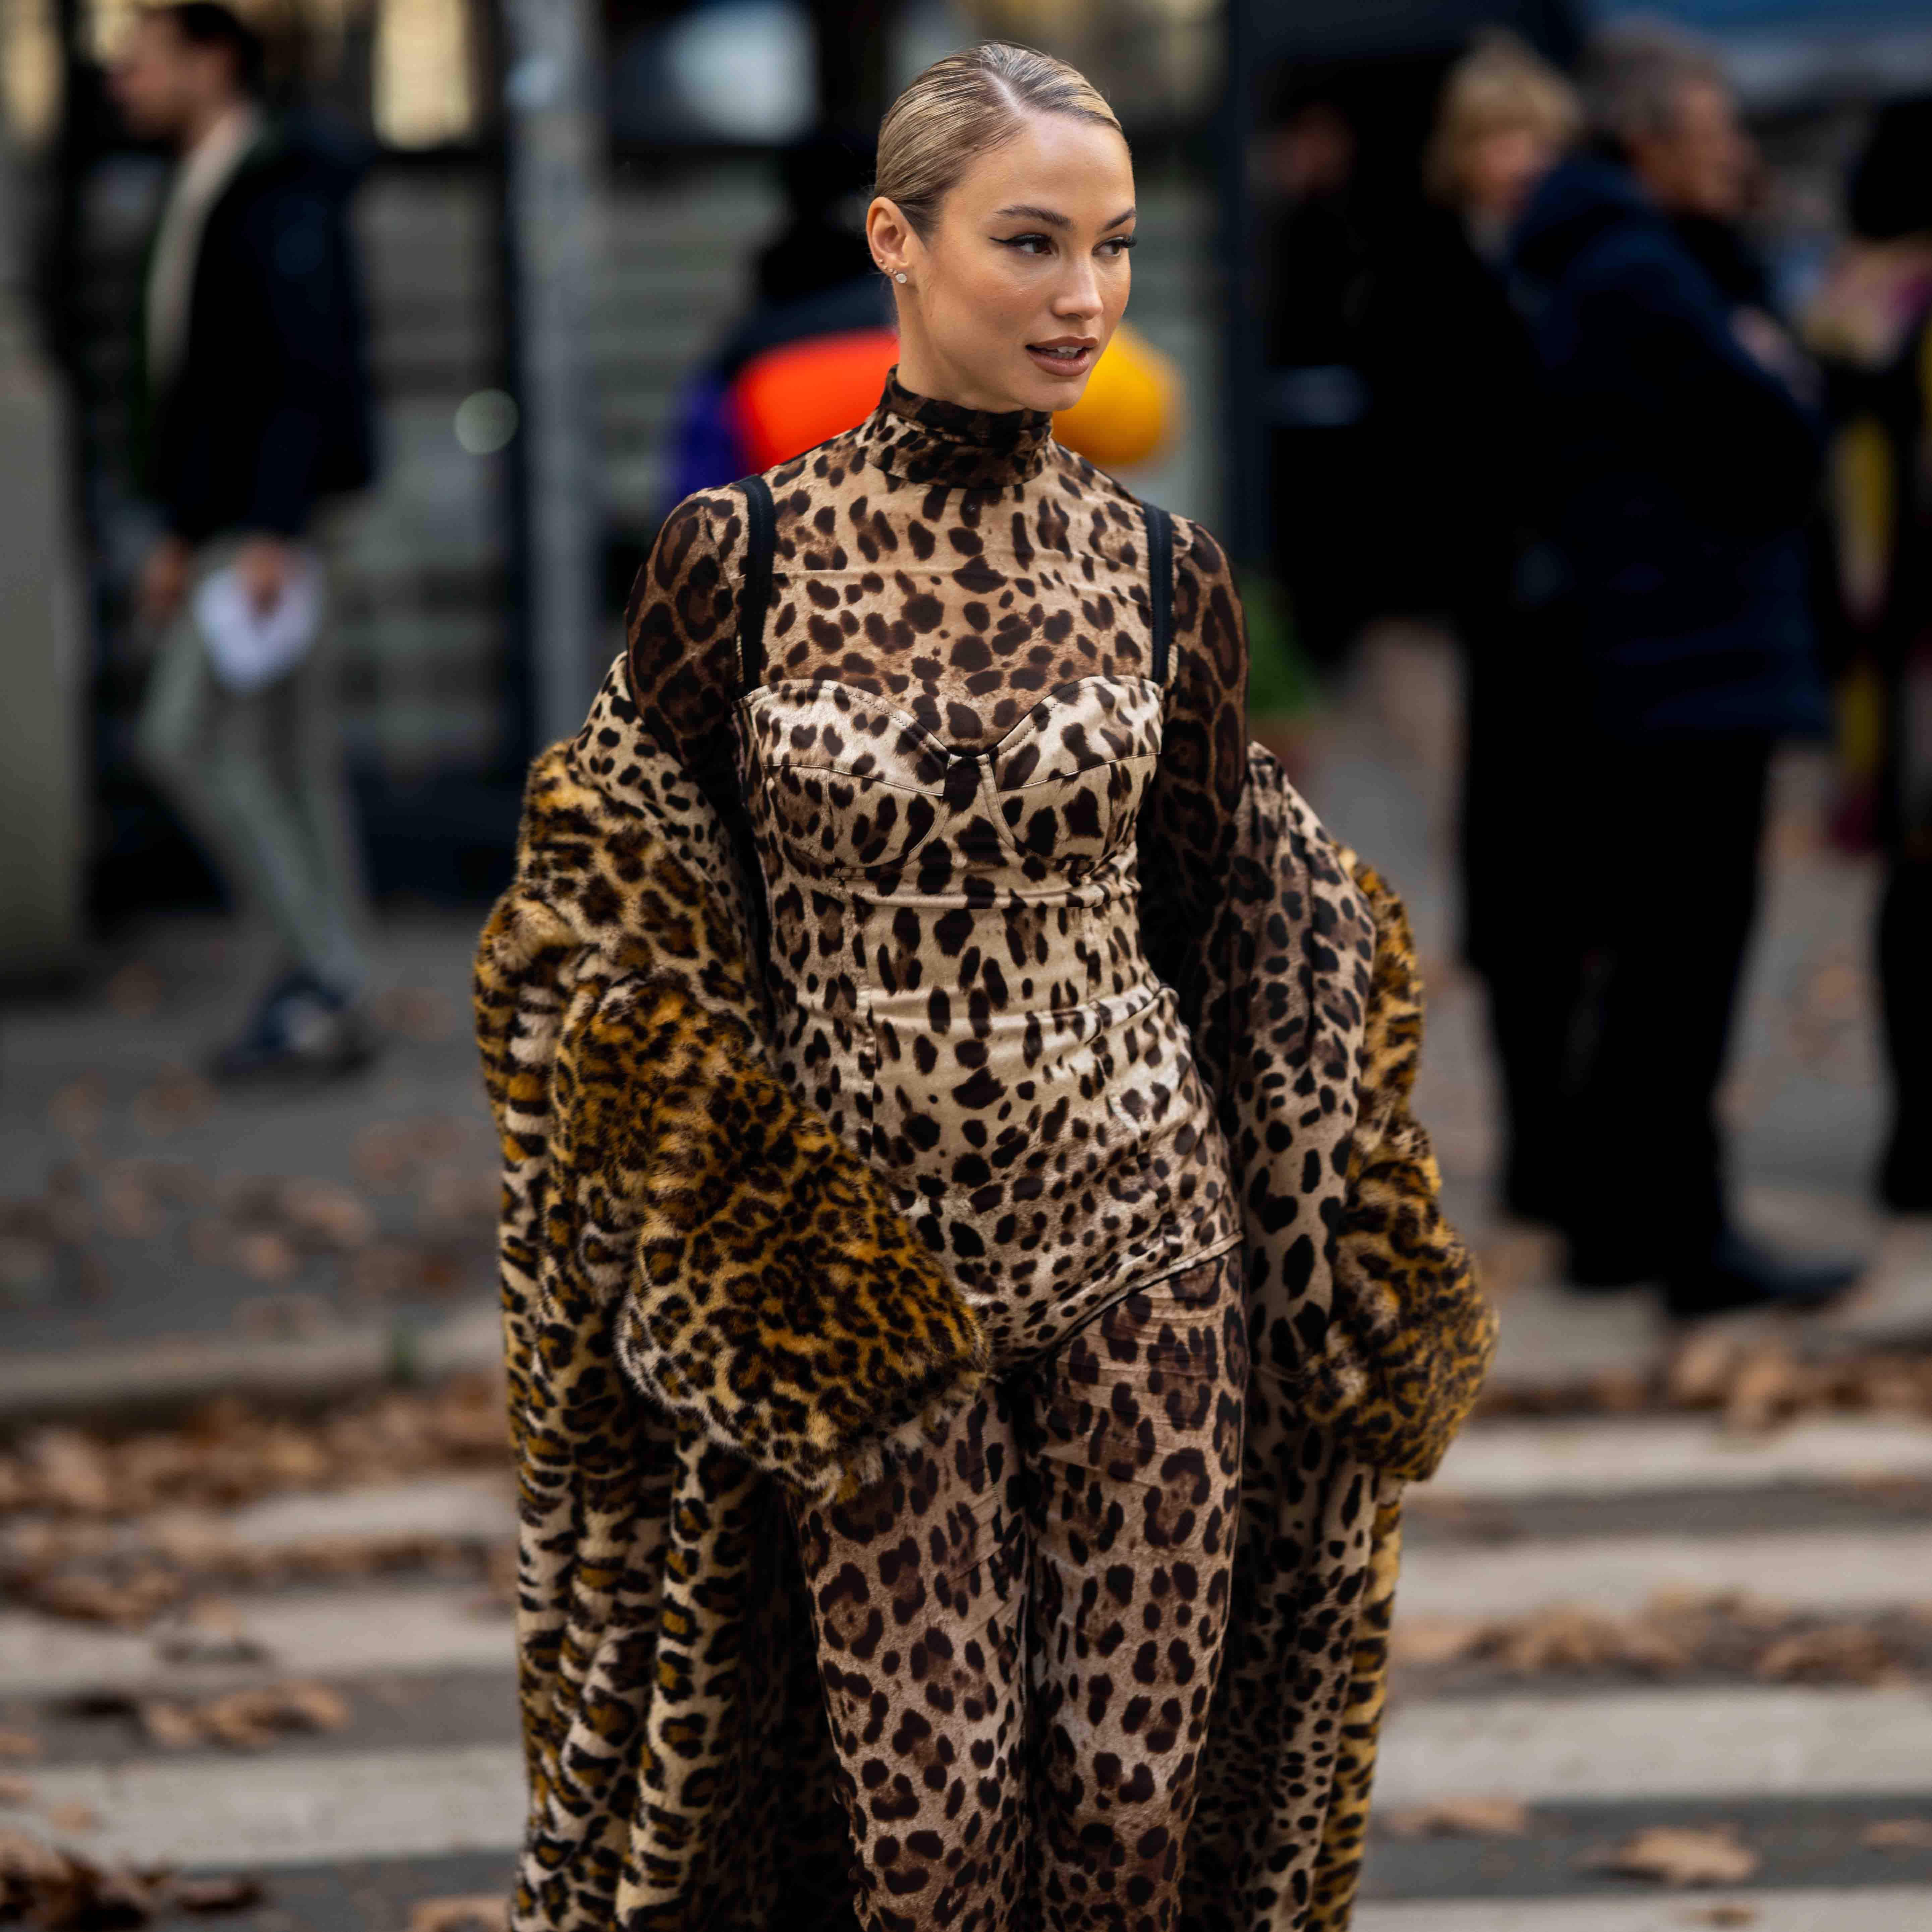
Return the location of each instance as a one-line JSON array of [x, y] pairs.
[[925, 440]]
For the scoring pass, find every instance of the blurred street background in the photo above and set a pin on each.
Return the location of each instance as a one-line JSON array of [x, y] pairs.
[[1665, 1640]]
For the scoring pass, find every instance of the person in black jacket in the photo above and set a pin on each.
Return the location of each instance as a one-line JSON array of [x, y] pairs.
[[1687, 458], [252, 406]]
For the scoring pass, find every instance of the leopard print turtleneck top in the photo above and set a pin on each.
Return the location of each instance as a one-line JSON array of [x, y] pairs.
[[981, 829]]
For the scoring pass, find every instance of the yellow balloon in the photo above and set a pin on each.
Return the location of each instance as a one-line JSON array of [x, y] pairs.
[[1128, 412]]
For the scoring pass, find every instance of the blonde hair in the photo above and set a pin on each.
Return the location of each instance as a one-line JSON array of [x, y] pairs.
[[1501, 84], [964, 107]]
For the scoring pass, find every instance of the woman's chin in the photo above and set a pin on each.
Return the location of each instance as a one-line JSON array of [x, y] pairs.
[[1040, 389]]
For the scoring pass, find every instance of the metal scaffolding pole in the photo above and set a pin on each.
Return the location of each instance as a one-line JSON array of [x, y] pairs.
[[553, 135], [42, 792]]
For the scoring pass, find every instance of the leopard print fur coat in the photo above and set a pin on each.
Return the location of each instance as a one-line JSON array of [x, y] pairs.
[[707, 1295]]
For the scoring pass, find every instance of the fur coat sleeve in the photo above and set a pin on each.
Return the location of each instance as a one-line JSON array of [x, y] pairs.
[[706, 1294]]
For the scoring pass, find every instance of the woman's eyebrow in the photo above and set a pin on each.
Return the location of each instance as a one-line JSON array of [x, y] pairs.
[[1023, 210]]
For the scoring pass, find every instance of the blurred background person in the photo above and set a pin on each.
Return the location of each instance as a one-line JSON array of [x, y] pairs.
[[1872, 325], [1686, 465], [808, 358], [1455, 382], [254, 406]]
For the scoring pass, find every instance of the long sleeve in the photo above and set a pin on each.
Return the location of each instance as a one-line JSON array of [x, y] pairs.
[[1189, 826]]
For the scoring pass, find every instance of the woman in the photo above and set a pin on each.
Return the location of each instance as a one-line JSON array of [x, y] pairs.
[[1456, 384], [1047, 1239]]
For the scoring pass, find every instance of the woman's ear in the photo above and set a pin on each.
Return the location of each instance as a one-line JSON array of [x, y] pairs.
[[889, 236]]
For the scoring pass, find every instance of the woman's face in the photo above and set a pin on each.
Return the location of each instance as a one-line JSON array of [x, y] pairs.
[[1500, 169], [1008, 303]]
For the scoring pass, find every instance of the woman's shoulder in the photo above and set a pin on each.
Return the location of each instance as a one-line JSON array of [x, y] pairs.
[[1200, 549]]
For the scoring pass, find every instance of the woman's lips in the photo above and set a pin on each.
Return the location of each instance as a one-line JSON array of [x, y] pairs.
[[1078, 363]]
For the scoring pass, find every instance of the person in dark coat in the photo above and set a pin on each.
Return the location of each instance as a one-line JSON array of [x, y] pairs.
[[1686, 464], [252, 407], [1872, 327]]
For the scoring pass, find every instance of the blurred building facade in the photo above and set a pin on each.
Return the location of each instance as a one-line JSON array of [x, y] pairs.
[[1278, 151]]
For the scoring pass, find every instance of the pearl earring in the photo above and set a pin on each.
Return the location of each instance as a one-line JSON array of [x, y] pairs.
[[900, 277]]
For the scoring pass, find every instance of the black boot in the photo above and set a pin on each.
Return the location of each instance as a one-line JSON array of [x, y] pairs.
[[1737, 1273]]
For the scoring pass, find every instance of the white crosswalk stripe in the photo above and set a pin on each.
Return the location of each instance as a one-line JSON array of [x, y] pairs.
[[1837, 1571], [297, 1808], [1511, 1461], [394, 1631], [1755, 1742], [1843, 1909]]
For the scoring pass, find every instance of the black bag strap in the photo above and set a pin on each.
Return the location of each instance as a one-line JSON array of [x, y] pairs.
[[1160, 584], [755, 593]]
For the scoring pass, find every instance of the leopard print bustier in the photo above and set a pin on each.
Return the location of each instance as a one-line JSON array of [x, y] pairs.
[[952, 771]]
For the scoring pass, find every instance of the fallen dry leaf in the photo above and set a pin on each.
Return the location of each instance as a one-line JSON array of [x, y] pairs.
[[1898, 1834], [1770, 1381], [1731, 1913], [72, 1817], [62, 1891], [249, 1720], [214, 1895], [15, 1792], [326, 1215], [1840, 1653], [1491, 1817], [1680, 1855], [483, 1912], [1428, 1640], [168, 1726], [20, 1746]]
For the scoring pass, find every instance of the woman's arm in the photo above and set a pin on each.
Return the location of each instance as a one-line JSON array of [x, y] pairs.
[[681, 628], [1188, 824]]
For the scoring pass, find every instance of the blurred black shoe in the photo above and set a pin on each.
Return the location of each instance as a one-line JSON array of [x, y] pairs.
[[302, 1031], [1905, 1175], [1738, 1274], [1596, 1264]]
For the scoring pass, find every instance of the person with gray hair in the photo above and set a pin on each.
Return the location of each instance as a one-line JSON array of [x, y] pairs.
[[1686, 464]]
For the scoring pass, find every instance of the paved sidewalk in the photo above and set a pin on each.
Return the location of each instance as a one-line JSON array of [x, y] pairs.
[[158, 1236]]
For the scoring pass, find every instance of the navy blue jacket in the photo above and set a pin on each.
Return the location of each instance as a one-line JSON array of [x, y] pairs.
[[270, 409], [1684, 473]]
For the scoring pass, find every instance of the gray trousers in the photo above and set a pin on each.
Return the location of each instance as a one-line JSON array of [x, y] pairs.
[[257, 778]]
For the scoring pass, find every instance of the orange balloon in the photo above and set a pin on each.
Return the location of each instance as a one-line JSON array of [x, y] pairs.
[[1126, 413]]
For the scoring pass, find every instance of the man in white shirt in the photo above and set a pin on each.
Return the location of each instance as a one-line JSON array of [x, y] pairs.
[[253, 407]]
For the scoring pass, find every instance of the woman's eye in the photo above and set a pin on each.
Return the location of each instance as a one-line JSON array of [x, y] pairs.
[[1120, 244], [1032, 244]]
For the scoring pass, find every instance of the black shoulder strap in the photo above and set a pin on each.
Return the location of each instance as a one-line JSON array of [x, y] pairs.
[[1160, 584], [755, 591]]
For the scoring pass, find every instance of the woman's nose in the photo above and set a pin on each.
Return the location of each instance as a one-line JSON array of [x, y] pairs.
[[1079, 294]]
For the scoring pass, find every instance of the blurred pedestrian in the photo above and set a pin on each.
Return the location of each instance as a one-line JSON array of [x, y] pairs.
[[1455, 381], [1873, 324], [253, 405], [1686, 462]]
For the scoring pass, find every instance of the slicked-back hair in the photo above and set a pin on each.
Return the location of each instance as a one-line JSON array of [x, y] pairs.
[[964, 107]]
